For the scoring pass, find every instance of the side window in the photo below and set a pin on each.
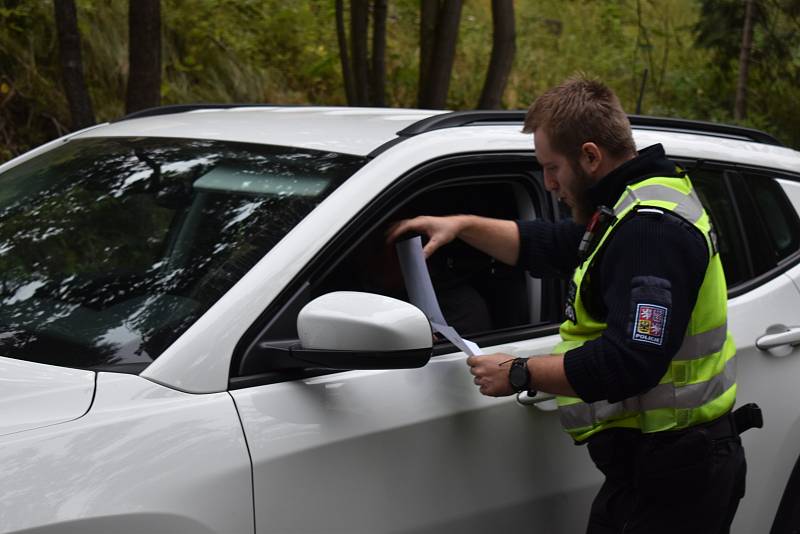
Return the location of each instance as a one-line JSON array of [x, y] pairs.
[[477, 294], [483, 299], [714, 191], [777, 216], [756, 225]]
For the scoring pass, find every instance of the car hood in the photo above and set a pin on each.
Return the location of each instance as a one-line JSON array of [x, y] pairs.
[[33, 395]]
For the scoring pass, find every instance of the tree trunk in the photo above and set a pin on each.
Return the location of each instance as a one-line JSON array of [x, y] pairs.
[[144, 52], [344, 55], [69, 45], [740, 109], [429, 10], [378, 85], [434, 93], [359, 24], [503, 50]]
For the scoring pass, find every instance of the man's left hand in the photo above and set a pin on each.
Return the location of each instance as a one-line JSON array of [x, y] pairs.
[[491, 373]]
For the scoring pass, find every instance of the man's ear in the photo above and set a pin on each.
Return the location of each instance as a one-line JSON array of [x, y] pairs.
[[591, 157]]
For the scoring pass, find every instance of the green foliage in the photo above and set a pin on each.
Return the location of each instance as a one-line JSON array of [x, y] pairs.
[[30, 91], [775, 62], [250, 51], [286, 52]]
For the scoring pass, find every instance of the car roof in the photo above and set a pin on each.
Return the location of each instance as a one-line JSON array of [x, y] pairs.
[[356, 131], [369, 131], [681, 145]]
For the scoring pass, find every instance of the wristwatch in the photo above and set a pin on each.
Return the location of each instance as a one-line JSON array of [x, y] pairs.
[[520, 377]]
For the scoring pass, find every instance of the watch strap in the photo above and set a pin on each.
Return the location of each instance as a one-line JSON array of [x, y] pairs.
[[518, 375]]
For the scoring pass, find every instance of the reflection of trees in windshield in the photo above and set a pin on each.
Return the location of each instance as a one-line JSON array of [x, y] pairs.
[[111, 248]]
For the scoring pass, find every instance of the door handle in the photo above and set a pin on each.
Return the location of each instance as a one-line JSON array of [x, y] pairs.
[[537, 400], [778, 336]]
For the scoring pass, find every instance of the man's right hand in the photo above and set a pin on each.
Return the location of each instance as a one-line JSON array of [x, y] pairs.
[[438, 230], [497, 238]]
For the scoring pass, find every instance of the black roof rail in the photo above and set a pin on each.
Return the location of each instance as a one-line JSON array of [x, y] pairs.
[[463, 118], [646, 122], [484, 117]]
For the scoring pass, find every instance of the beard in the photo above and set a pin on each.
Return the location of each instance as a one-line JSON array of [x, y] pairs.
[[583, 209]]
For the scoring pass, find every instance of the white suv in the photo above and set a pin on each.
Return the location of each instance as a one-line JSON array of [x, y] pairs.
[[157, 374]]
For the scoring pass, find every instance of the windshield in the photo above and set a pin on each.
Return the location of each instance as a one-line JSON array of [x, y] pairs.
[[110, 248]]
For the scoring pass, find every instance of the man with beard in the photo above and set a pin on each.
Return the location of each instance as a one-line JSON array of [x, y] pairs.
[[645, 369]]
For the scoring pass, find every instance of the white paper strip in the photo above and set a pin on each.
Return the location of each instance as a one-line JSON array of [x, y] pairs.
[[452, 336], [418, 279], [422, 295]]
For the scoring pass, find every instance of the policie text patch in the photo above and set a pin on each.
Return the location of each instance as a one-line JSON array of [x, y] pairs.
[[651, 320]]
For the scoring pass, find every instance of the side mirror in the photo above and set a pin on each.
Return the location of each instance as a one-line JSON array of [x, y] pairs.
[[352, 330]]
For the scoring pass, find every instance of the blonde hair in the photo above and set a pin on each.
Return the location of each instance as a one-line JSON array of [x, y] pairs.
[[578, 111]]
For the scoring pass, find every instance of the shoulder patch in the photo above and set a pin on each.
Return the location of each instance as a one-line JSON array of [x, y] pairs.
[[651, 320]]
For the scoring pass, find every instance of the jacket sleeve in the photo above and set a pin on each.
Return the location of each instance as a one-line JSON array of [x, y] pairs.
[[651, 270], [547, 249]]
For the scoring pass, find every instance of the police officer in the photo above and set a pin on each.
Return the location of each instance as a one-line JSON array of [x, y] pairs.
[[645, 372]]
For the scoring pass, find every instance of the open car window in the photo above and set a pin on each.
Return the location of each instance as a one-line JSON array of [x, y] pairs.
[[483, 299], [476, 293]]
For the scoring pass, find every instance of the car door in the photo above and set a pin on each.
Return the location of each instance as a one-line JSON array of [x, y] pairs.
[[417, 450], [754, 212]]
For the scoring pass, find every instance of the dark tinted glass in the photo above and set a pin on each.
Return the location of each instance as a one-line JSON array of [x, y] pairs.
[[779, 219], [762, 254], [111, 248], [715, 195]]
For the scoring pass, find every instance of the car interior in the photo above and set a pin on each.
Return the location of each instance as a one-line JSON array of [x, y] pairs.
[[478, 295]]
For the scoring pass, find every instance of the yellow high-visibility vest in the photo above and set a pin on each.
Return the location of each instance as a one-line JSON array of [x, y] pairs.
[[700, 383]]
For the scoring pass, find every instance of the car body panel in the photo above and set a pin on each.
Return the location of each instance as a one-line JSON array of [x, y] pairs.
[[417, 450], [711, 148], [144, 459], [792, 190], [772, 450], [34, 395]]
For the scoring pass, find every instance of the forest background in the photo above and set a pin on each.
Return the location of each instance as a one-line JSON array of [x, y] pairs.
[[733, 61]]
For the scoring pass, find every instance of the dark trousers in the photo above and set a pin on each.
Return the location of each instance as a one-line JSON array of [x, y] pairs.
[[686, 481]]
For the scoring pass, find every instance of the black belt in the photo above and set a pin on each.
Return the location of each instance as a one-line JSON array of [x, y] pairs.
[[730, 425], [734, 423], [721, 428]]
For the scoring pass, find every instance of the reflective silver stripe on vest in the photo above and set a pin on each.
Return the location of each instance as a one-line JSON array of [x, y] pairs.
[[687, 206], [700, 345], [662, 396]]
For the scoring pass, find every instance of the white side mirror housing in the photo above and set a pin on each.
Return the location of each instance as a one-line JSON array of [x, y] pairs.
[[353, 321], [350, 330]]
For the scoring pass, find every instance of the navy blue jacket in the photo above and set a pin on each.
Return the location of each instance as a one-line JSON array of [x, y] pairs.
[[655, 250]]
